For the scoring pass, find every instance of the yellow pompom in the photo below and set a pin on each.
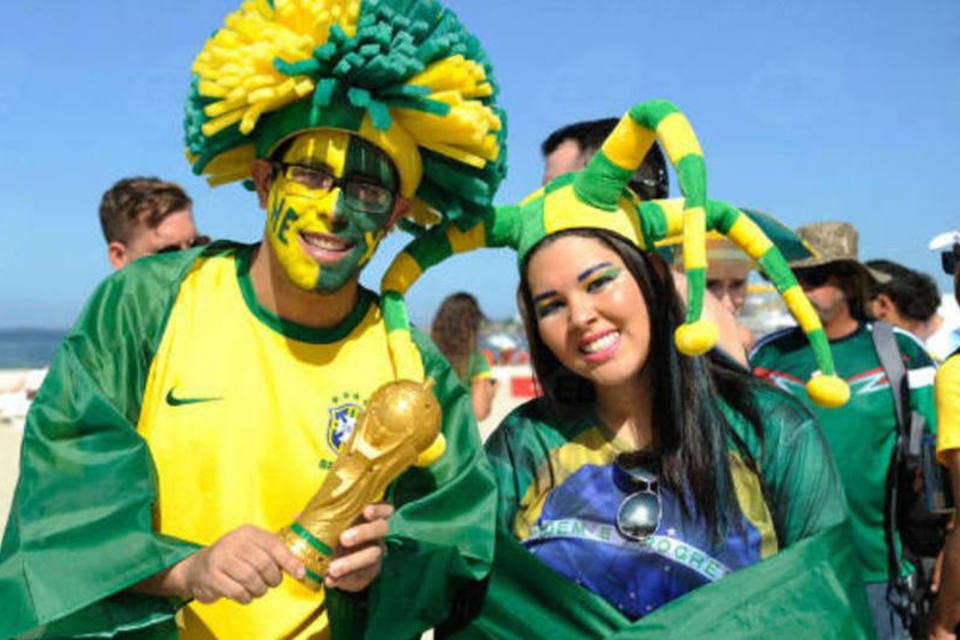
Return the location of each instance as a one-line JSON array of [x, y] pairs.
[[828, 391], [696, 338], [432, 453]]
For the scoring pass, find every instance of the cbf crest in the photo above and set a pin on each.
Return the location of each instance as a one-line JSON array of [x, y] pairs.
[[343, 417]]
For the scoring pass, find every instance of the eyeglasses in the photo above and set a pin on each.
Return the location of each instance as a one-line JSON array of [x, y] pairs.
[[813, 276], [639, 514], [198, 241], [950, 259], [360, 194]]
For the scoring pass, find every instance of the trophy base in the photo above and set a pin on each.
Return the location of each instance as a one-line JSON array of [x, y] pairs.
[[314, 554]]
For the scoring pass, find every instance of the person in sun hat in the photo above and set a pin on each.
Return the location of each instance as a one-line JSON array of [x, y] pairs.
[[862, 434], [635, 497], [201, 397]]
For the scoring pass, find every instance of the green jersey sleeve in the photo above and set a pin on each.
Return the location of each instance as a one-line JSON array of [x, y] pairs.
[[804, 492], [478, 367], [87, 478]]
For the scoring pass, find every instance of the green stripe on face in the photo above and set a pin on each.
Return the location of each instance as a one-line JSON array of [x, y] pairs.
[[332, 184], [367, 161], [311, 539], [777, 270], [692, 176], [649, 114]]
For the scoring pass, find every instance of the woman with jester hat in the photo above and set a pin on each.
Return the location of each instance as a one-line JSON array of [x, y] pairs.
[[656, 489], [202, 396]]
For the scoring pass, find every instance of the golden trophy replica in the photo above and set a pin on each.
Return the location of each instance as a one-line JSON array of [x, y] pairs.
[[399, 428]]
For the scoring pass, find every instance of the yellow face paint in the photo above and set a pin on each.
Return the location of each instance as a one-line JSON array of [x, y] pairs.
[[322, 230]]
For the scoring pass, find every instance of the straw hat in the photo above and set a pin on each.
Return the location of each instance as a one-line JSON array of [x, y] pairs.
[[835, 243]]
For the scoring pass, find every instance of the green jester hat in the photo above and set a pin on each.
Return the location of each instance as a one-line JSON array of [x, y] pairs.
[[405, 75], [598, 198]]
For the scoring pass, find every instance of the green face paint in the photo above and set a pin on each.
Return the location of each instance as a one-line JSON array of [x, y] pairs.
[[329, 207]]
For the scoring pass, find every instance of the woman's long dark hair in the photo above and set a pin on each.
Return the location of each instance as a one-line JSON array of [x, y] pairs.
[[690, 433], [454, 330]]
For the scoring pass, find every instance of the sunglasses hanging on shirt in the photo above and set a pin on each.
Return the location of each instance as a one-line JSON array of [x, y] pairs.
[[639, 514]]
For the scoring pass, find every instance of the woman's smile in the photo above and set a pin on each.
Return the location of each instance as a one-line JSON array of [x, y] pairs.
[[600, 347], [589, 309]]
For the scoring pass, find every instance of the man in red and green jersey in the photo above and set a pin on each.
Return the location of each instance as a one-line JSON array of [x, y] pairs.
[[202, 396], [860, 435]]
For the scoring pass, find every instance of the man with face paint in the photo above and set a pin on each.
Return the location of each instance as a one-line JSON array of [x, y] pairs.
[[330, 198], [203, 395]]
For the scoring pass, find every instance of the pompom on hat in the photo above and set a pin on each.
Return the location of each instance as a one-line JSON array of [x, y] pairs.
[[598, 198], [403, 74]]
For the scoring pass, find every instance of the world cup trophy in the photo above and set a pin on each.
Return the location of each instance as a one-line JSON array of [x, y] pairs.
[[399, 428]]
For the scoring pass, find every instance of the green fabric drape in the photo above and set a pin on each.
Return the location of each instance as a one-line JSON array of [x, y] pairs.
[[81, 524], [810, 590]]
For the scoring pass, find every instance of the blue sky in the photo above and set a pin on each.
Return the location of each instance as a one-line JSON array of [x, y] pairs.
[[809, 110]]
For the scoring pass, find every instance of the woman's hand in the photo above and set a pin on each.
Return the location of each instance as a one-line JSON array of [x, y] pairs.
[[357, 559], [242, 565]]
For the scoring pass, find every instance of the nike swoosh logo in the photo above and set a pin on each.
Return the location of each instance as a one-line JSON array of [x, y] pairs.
[[174, 401]]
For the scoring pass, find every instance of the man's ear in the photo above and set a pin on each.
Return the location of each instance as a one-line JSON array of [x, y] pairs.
[[882, 306], [261, 172], [400, 209], [117, 254]]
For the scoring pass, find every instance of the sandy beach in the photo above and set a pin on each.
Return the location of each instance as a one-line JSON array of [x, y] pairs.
[[9, 467]]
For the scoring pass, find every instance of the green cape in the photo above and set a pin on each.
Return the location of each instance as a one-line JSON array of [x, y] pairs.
[[80, 528], [809, 590]]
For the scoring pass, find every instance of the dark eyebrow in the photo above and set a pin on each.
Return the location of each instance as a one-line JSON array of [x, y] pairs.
[[316, 166], [546, 294], [586, 274]]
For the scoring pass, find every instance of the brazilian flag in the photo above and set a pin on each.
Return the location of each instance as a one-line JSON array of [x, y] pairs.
[[809, 590]]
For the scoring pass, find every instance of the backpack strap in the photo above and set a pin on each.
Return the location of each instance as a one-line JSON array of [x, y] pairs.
[[885, 343]]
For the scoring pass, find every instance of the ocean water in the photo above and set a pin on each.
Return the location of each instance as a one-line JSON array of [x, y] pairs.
[[28, 348]]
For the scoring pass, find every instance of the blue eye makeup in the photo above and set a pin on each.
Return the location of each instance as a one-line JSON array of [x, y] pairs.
[[546, 308], [600, 279]]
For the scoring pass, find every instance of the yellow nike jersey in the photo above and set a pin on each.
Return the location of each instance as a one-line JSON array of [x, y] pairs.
[[243, 413]]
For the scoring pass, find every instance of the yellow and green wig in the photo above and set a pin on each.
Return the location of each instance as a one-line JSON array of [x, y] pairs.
[[598, 198], [404, 75]]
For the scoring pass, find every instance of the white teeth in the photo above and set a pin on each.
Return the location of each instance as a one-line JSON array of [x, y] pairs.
[[605, 342], [324, 242]]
